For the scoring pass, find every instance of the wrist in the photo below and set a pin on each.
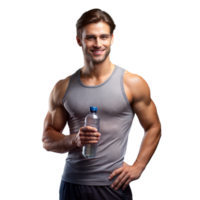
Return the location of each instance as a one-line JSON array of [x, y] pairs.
[[73, 140], [140, 166]]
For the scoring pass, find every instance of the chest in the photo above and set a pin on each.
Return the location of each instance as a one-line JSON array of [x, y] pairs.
[[126, 84]]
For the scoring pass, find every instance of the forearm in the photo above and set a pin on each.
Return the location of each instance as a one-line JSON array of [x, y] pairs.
[[148, 146], [59, 143]]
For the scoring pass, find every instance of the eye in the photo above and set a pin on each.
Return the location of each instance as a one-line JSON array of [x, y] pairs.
[[90, 38]]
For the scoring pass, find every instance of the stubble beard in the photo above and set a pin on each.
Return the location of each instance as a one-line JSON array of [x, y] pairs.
[[88, 61]]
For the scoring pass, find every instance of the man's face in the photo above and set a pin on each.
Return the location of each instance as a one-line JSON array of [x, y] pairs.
[[96, 41]]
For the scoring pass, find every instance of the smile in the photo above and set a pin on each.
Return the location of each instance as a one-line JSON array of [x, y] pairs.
[[97, 52]]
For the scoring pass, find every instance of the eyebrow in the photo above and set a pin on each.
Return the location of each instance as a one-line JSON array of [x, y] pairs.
[[95, 35]]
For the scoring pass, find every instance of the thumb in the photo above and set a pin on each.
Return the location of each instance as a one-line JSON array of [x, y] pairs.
[[125, 163]]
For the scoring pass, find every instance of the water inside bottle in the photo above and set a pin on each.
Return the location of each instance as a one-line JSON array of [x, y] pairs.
[[89, 150], [92, 119]]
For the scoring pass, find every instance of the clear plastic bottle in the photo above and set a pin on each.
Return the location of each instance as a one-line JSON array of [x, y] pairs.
[[92, 119]]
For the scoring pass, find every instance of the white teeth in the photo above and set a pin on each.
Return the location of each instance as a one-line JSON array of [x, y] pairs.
[[97, 51]]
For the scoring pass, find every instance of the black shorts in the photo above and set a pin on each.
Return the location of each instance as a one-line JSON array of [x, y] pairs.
[[70, 191]]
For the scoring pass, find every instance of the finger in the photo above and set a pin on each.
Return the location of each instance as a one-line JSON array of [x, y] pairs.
[[89, 134], [90, 128], [119, 181], [88, 138], [117, 171], [83, 143], [95, 134], [125, 163], [128, 182]]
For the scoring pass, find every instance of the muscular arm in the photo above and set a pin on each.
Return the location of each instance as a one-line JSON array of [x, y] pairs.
[[146, 111], [55, 121]]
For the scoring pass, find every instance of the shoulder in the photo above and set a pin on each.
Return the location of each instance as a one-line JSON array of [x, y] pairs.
[[137, 86], [58, 92]]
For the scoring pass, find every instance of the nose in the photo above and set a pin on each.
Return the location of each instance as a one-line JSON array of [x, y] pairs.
[[97, 43]]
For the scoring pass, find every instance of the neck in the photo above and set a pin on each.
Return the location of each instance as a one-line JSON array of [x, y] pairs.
[[91, 69]]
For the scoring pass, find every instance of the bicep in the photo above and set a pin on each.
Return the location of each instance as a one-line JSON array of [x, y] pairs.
[[144, 106], [56, 117]]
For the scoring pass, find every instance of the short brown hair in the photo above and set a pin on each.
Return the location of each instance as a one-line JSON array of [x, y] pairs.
[[94, 16]]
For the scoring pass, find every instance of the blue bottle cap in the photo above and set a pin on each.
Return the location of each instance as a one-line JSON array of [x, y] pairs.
[[93, 108]]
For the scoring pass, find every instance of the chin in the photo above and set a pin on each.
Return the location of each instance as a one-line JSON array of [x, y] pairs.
[[95, 60]]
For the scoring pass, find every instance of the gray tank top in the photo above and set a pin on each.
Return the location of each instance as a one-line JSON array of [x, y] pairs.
[[116, 118]]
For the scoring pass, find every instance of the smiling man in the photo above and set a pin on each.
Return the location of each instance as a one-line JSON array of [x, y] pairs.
[[95, 42], [93, 53], [118, 95]]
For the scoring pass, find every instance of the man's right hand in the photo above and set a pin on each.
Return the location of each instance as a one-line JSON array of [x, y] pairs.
[[87, 135]]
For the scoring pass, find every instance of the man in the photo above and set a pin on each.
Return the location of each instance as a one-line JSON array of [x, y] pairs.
[[118, 95]]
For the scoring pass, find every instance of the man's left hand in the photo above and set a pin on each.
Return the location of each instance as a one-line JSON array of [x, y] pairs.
[[127, 173]]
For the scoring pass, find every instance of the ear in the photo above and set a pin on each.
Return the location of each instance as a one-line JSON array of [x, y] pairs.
[[112, 39], [78, 41]]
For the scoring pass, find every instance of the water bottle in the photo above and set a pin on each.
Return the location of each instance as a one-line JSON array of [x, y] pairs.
[[92, 119]]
